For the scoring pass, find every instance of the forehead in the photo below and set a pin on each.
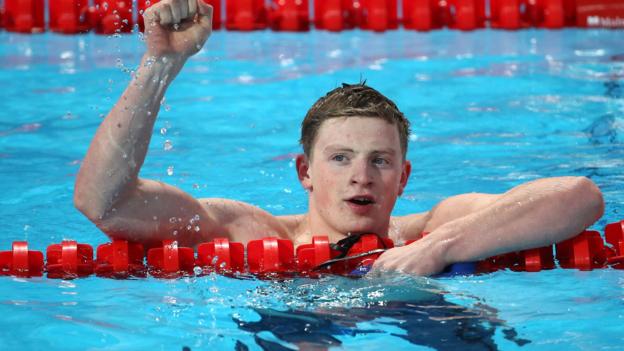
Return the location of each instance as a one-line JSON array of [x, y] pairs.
[[363, 132]]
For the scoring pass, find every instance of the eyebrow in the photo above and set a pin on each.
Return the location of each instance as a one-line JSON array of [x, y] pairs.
[[338, 147]]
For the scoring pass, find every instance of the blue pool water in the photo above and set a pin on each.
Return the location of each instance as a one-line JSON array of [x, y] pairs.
[[489, 110]]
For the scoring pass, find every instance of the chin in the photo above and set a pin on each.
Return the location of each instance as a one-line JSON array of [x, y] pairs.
[[364, 228]]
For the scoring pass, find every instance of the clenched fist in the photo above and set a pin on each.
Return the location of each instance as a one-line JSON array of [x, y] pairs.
[[177, 27]]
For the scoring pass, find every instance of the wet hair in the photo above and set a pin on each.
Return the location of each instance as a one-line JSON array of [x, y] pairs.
[[352, 100]]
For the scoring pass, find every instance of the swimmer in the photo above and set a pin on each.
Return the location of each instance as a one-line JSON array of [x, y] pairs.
[[353, 168]]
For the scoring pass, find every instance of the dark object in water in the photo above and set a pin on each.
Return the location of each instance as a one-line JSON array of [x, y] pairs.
[[603, 130], [614, 89], [438, 324]]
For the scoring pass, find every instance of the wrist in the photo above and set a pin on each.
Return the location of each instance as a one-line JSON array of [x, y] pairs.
[[166, 66], [440, 244]]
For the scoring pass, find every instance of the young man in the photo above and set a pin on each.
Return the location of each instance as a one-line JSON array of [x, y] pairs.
[[353, 168]]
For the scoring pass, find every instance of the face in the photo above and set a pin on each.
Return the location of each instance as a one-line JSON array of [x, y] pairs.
[[354, 176]]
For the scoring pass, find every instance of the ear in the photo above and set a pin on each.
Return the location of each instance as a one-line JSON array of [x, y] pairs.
[[303, 167], [405, 173]]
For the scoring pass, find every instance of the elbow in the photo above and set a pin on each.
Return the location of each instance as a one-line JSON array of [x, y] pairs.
[[85, 203], [587, 193]]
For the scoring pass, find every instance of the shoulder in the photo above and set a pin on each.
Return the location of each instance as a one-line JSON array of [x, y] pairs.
[[294, 223], [242, 221], [409, 227]]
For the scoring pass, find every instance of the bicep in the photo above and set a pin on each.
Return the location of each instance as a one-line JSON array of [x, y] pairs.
[[153, 211], [458, 206], [446, 211]]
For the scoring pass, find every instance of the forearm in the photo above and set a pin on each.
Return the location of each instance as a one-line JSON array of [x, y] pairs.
[[110, 168], [532, 215]]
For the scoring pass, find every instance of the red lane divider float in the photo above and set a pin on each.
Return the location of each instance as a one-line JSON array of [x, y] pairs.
[[117, 16], [289, 15], [378, 15], [69, 16], [69, 260], [311, 255], [24, 16], [170, 260], [614, 234], [245, 15], [120, 259], [112, 16], [533, 260], [21, 262], [221, 256], [335, 15], [269, 257], [585, 252]]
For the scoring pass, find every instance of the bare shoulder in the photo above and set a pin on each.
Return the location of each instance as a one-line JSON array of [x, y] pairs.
[[242, 221], [409, 227]]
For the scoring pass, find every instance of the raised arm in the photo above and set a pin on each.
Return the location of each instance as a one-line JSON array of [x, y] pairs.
[[475, 226], [108, 190]]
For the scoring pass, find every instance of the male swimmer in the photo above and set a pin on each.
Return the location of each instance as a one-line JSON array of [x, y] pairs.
[[353, 168]]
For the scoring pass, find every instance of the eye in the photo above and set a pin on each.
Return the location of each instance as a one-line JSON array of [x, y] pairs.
[[380, 161], [339, 158]]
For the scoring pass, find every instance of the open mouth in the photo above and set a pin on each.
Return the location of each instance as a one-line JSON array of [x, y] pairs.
[[361, 200]]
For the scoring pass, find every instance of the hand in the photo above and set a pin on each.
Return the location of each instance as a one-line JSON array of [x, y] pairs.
[[419, 258], [177, 27]]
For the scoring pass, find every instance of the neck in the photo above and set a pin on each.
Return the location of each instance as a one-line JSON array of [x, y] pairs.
[[316, 224]]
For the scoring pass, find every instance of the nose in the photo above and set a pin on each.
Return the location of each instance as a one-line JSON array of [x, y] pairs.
[[362, 173]]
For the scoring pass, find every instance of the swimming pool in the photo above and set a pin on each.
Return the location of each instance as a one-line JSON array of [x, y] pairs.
[[489, 110]]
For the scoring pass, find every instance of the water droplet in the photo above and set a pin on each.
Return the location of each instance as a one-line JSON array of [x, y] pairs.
[[149, 61], [167, 145]]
